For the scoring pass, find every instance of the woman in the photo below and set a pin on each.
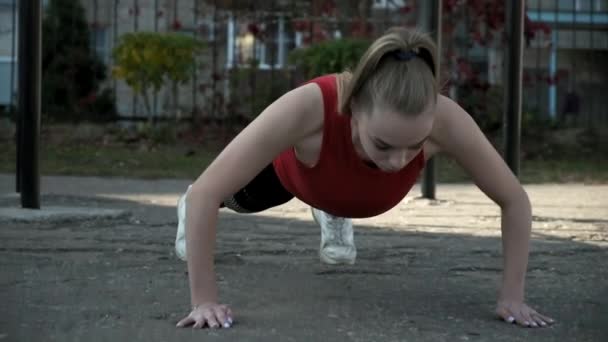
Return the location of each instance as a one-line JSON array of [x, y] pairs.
[[352, 146]]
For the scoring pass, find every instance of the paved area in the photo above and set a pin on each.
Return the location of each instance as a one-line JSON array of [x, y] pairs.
[[426, 270]]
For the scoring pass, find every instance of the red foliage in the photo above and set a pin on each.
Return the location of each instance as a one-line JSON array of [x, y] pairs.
[[87, 100], [361, 28], [319, 33], [176, 25], [405, 9], [450, 5], [328, 8], [301, 25], [253, 28], [465, 70], [485, 21]]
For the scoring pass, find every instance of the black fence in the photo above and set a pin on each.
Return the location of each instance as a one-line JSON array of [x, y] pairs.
[[245, 63]]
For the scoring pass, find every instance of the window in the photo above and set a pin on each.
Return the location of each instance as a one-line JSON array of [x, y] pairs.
[[390, 4], [8, 3], [600, 5], [243, 46], [99, 43]]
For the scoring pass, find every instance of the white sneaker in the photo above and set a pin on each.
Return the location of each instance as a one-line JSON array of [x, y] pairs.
[[337, 240], [180, 238]]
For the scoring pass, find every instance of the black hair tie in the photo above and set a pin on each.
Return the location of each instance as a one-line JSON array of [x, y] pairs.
[[404, 55]]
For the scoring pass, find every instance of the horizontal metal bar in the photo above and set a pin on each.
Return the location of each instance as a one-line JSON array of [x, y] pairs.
[[568, 17]]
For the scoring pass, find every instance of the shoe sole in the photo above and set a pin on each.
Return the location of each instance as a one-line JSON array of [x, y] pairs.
[[331, 261]]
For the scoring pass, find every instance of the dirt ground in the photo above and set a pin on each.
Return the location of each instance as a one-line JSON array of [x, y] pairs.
[[426, 271]]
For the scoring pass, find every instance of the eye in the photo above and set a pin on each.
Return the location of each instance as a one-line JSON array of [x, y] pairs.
[[382, 147]]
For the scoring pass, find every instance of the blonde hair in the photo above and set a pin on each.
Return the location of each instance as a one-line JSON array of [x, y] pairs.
[[397, 72]]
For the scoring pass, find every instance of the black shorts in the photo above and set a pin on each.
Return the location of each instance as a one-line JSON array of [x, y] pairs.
[[263, 192]]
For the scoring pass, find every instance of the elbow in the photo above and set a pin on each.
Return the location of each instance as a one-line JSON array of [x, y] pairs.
[[206, 192], [517, 199]]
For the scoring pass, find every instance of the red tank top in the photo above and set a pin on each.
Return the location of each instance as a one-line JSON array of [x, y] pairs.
[[341, 183]]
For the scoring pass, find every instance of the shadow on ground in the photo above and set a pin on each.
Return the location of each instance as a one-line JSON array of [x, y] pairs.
[[119, 280]]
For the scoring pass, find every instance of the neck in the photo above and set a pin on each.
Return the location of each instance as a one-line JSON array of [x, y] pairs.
[[357, 143]]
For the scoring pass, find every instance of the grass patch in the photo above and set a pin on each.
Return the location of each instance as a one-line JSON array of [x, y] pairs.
[[174, 151], [186, 161], [115, 161], [571, 169]]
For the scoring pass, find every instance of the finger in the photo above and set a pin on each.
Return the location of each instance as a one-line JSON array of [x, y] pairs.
[[211, 320], [546, 319], [539, 321], [527, 313], [185, 322], [198, 324], [222, 319], [504, 314], [230, 315], [528, 321], [522, 320]]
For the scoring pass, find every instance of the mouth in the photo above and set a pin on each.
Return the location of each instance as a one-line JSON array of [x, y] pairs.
[[380, 167], [388, 169]]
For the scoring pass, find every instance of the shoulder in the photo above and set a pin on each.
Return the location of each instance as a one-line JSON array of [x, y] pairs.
[[451, 120], [306, 104], [446, 112], [453, 128]]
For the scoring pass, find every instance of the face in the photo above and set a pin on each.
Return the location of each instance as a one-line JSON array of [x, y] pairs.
[[390, 139]]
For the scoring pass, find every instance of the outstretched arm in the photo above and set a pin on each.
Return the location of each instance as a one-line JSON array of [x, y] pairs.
[[459, 137], [290, 118]]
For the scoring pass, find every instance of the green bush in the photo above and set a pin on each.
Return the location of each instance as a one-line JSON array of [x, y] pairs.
[[146, 60], [329, 57]]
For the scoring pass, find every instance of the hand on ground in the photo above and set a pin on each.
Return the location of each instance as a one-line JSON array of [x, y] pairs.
[[520, 313], [210, 315]]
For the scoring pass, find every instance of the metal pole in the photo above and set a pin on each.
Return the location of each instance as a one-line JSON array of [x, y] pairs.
[[428, 181], [513, 71], [11, 99], [195, 71], [29, 99], [114, 43], [134, 98]]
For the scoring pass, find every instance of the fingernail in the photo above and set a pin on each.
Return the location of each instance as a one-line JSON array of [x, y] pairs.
[[510, 319], [526, 323], [226, 324], [534, 324], [230, 320], [543, 323]]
